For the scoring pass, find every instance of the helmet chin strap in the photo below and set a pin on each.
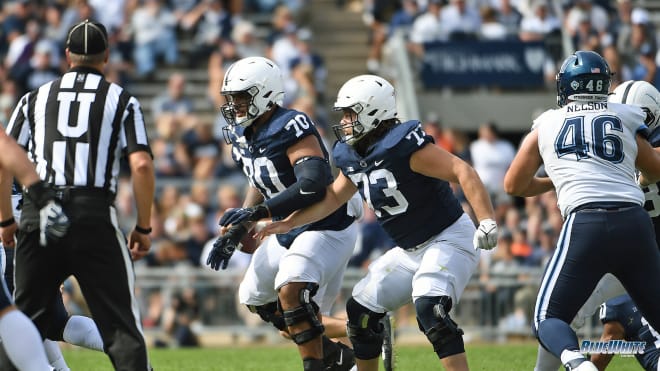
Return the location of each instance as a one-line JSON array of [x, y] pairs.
[[251, 121]]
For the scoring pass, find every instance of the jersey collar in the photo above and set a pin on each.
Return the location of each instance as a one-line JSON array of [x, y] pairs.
[[85, 69]]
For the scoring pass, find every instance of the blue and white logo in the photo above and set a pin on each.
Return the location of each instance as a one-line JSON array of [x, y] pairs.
[[621, 347]]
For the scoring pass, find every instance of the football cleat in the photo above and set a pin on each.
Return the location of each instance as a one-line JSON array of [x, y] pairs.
[[580, 364], [388, 342]]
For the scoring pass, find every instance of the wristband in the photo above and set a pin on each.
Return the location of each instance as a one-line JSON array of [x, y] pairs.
[[141, 230], [8, 222]]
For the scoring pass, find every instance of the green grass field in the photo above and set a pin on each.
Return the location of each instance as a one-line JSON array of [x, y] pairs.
[[488, 357]]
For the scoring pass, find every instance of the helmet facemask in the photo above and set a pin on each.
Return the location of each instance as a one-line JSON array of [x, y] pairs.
[[357, 129], [240, 108]]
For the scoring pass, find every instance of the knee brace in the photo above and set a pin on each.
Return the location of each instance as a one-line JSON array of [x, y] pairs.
[[268, 313], [433, 319], [306, 312], [364, 330]]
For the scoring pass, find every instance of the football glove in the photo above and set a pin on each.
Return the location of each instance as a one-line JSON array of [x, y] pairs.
[[224, 247], [53, 222], [244, 214], [486, 235]]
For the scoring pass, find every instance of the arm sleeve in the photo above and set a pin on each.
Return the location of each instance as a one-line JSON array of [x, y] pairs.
[[312, 174]]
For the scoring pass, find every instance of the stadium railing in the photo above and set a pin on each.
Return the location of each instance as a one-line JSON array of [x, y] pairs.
[[221, 320]]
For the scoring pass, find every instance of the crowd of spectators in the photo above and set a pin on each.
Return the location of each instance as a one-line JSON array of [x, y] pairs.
[[198, 180], [617, 29]]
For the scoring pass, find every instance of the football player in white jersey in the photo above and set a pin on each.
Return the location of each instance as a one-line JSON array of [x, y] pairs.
[[590, 149], [646, 96]]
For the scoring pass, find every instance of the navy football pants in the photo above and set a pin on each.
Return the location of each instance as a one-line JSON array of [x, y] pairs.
[[591, 244]]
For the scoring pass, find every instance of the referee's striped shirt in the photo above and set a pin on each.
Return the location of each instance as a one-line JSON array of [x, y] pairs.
[[75, 129]]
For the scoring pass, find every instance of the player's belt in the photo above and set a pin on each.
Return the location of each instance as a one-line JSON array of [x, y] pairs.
[[66, 194], [605, 206]]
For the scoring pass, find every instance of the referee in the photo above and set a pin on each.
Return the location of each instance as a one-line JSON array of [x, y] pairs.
[[75, 129]]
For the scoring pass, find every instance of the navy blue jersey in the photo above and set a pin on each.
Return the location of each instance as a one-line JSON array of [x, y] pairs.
[[264, 160], [623, 310], [652, 192], [410, 206]]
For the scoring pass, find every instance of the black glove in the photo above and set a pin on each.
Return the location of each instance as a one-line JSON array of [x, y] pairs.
[[53, 222], [224, 247], [242, 214]]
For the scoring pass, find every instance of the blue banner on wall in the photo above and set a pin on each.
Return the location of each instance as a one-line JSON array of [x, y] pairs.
[[483, 63]]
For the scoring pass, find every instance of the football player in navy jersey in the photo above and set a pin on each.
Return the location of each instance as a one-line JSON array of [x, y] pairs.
[[404, 178], [20, 339], [646, 96], [293, 278], [623, 321], [590, 149]]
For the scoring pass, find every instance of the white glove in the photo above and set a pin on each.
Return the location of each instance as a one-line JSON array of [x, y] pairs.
[[53, 223], [486, 235]]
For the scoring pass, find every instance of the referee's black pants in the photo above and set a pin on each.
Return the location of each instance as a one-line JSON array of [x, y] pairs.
[[95, 252]]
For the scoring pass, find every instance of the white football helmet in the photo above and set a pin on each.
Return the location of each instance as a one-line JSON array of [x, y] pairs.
[[371, 98], [639, 93], [258, 77]]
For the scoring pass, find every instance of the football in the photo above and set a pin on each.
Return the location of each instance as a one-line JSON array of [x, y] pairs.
[[249, 244]]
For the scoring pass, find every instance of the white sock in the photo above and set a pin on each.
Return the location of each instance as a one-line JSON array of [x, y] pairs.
[[82, 331], [546, 361], [55, 357], [569, 355], [22, 342]]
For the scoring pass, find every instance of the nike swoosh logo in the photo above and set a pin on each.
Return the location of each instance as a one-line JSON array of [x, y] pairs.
[[262, 150], [341, 358], [377, 163], [306, 193]]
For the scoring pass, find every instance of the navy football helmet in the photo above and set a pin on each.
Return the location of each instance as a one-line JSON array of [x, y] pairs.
[[584, 76]]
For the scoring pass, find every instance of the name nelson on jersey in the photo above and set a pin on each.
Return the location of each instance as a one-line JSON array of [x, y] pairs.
[[587, 106]]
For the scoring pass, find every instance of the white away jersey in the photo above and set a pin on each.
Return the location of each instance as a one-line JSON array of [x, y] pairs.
[[589, 151]]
